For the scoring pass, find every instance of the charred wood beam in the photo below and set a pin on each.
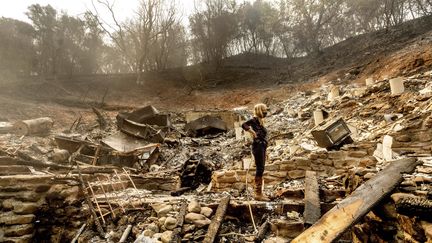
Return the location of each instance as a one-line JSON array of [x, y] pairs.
[[262, 231], [75, 239], [176, 238], [312, 211], [90, 206], [6, 160], [180, 191], [350, 210], [217, 220], [40, 126], [411, 205], [100, 118]]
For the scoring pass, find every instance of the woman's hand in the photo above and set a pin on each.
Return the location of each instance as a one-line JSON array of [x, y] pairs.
[[253, 133]]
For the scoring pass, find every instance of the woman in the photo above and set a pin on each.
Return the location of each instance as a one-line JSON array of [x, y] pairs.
[[255, 127]]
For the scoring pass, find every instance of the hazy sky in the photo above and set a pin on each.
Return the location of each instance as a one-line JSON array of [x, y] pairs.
[[124, 8]]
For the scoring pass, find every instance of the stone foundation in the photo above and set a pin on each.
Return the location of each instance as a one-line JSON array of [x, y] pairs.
[[325, 163], [31, 205]]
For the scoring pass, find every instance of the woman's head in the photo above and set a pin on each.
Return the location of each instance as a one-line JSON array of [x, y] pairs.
[[260, 110]]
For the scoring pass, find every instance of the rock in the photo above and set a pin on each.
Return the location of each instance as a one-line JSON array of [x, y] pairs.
[[25, 208], [313, 156], [427, 227], [162, 221], [192, 217], [302, 162], [194, 207], [425, 137], [188, 227], [153, 227], [187, 236], [340, 163], [18, 230], [296, 174], [157, 236], [206, 211], [275, 240], [166, 236], [272, 167], [398, 196], [143, 239], [202, 223], [123, 220], [27, 196], [357, 154], [287, 165], [152, 219], [170, 223], [10, 218], [369, 175], [367, 162], [42, 188], [60, 155], [339, 155], [154, 168], [403, 138], [164, 210], [9, 203], [21, 239], [72, 195], [148, 233]]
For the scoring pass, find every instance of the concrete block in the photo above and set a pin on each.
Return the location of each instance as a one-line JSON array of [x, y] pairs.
[[318, 117], [370, 81], [397, 86]]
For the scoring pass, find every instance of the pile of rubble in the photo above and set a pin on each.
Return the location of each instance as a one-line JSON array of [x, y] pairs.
[[147, 176]]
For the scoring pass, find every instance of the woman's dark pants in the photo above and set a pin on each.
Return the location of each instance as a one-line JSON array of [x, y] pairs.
[[259, 148]]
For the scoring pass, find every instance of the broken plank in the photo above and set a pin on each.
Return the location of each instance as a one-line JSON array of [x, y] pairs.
[[217, 220], [100, 118], [181, 214], [176, 238], [89, 203], [126, 234], [350, 210], [75, 239], [6, 160], [14, 169], [312, 210], [262, 231]]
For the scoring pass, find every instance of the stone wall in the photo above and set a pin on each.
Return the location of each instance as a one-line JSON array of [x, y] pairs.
[[325, 163], [50, 208], [415, 137], [38, 207], [417, 142]]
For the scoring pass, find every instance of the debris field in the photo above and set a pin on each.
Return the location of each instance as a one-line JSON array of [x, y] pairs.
[[346, 163]]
